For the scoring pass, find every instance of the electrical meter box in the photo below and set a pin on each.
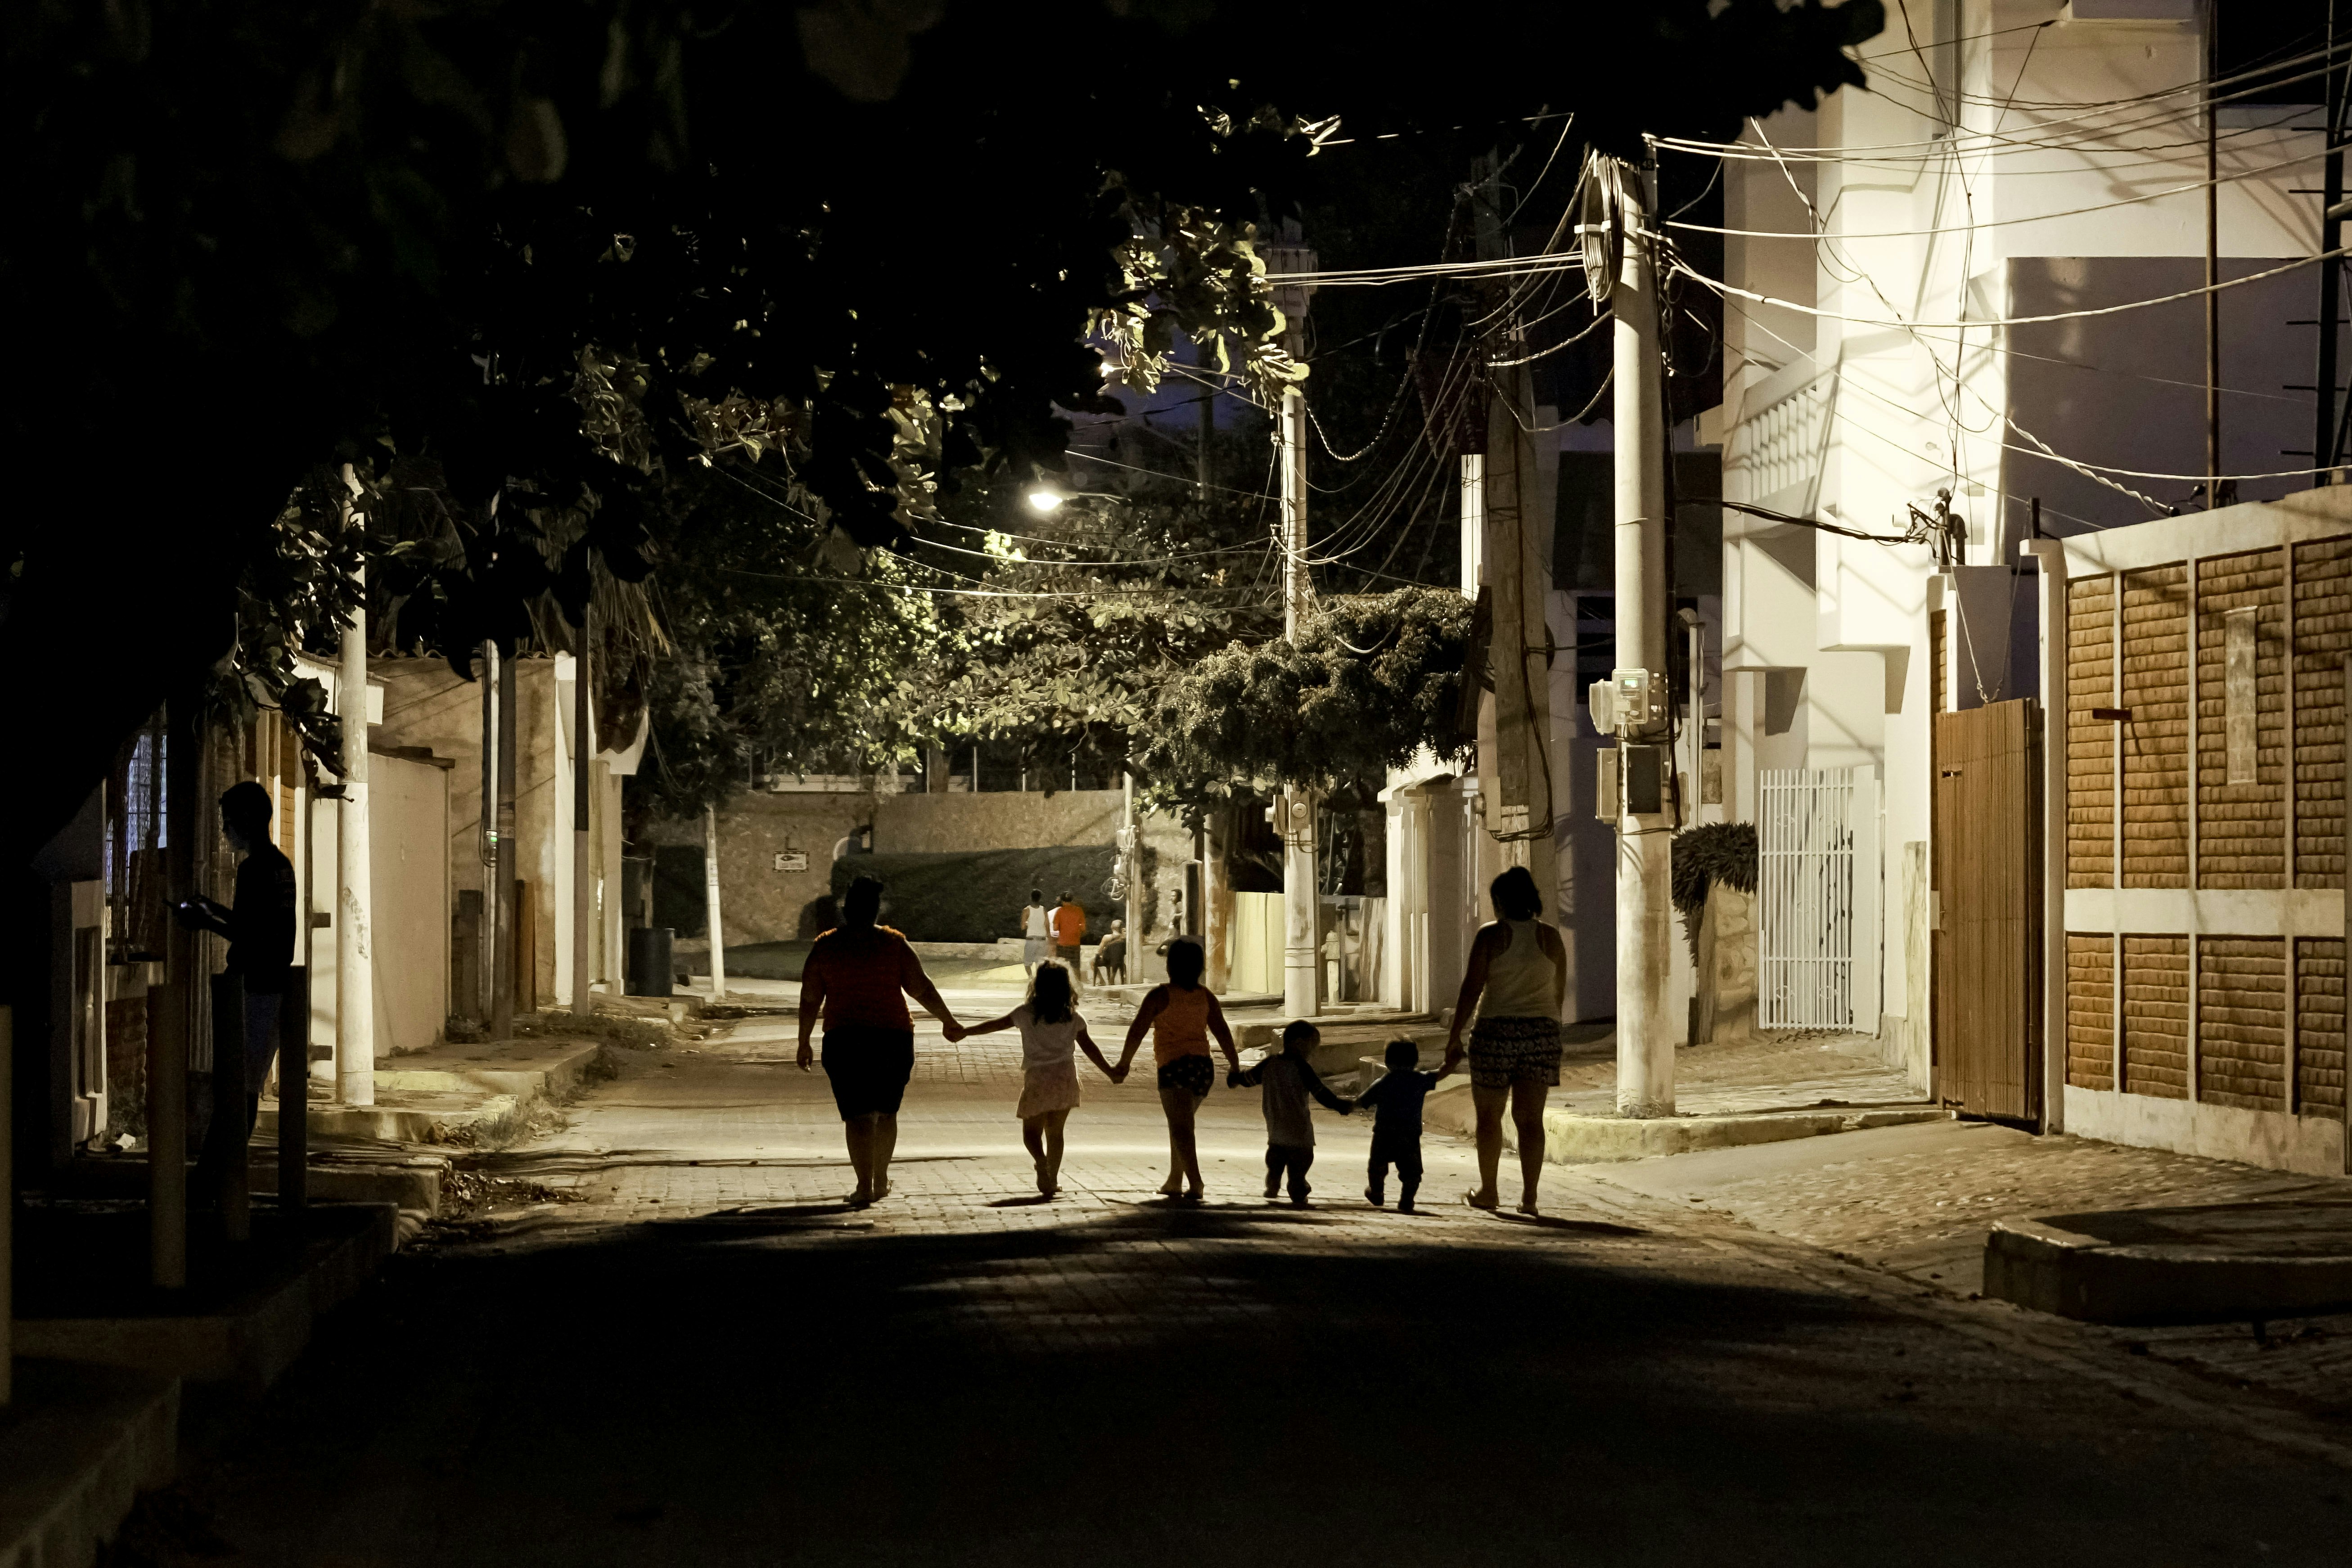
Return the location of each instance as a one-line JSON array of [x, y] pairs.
[[1601, 701]]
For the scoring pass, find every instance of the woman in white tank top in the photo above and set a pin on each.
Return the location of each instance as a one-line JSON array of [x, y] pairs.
[[1516, 983]]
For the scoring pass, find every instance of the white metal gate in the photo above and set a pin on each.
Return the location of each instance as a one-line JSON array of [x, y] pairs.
[[1817, 891]]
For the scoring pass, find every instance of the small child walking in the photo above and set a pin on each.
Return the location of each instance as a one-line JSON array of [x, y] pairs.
[[1395, 1100], [1049, 1025], [1289, 1079]]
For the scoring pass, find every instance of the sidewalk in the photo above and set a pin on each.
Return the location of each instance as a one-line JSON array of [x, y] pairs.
[[1742, 1092], [1921, 1202]]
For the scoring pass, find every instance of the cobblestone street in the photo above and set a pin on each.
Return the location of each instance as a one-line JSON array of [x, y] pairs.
[[708, 1359]]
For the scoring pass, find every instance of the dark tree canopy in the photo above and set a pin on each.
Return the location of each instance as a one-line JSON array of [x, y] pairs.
[[865, 242]]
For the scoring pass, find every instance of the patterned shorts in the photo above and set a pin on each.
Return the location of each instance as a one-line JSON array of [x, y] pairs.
[[1193, 1075], [1505, 1051]]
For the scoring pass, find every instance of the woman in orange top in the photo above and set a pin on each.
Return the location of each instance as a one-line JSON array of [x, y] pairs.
[[1182, 1016], [857, 978]]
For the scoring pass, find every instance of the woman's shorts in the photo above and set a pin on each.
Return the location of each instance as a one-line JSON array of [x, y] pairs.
[[1507, 1052], [1035, 950], [868, 1068], [1193, 1075], [1044, 1090]]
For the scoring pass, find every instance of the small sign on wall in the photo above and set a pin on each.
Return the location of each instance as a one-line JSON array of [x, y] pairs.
[[792, 861]]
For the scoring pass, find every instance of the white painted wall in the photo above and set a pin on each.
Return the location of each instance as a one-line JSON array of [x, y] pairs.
[[1850, 421]]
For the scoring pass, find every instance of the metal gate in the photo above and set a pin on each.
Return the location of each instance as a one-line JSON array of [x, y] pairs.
[[1988, 911], [1817, 887]]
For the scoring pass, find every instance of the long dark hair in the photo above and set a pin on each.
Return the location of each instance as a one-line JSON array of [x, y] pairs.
[[1050, 994]]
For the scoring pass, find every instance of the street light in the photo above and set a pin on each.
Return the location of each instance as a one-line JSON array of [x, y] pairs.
[[1043, 498]]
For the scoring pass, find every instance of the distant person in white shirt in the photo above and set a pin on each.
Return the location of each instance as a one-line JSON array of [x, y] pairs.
[[1037, 932]]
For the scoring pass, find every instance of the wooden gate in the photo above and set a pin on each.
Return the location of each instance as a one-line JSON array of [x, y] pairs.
[[1988, 892]]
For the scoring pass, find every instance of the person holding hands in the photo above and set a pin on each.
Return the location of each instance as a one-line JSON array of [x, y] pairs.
[[1049, 1025], [1181, 1016]]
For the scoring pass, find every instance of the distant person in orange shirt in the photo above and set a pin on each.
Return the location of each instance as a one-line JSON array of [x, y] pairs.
[[1069, 932], [857, 977]]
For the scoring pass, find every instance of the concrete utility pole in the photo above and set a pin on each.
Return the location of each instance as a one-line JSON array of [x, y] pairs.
[[711, 904], [8, 1204], [1617, 214], [354, 963], [485, 979], [1131, 850], [1302, 963], [506, 958], [584, 842], [2211, 19], [1521, 801], [170, 1010]]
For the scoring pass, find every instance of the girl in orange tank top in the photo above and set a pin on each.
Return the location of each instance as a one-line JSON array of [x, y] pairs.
[[1182, 1016]]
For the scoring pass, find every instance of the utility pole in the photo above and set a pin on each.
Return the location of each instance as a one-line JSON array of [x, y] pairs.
[[1516, 784], [507, 957], [583, 842], [486, 977], [2212, 261], [1302, 964], [711, 904], [354, 959], [171, 1025], [1130, 850], [1619, 267], [2331, 272]]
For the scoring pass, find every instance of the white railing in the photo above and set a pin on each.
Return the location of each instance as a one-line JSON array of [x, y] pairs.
[[1817, 889]]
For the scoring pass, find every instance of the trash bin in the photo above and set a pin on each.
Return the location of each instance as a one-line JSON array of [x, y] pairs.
[[650, 970]]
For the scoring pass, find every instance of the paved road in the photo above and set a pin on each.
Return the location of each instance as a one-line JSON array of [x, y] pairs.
[[710, 1360]]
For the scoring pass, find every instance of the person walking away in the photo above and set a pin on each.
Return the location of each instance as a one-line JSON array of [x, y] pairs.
[[259, 925], [1286, 1082], [1069, 932], [1049, 1025], [1182, 1016], [1395, 1098], [857, 978], [1110, 958], [1036, 931], [1514, 983]]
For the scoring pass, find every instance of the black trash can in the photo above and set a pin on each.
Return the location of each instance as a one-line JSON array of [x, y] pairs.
[[650, 970]]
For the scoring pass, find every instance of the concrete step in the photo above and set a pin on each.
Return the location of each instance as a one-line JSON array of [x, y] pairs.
[[2201, 1264], [80, 1442], [247, 1335], [453, 1094]]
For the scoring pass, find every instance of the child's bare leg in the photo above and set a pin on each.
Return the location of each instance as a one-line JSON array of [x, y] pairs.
[[1033, 1136], [1053, 1143], [1183, 1155]]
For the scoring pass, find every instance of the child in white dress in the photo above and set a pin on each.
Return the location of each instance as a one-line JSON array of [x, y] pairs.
[[1050, 1026]]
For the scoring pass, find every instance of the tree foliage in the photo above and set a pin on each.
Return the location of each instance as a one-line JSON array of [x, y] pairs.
[[1084, 614], [866, 238], [775, 665], [1370, 680]]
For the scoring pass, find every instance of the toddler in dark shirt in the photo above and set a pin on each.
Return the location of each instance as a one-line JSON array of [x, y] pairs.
[[1396, 1101]]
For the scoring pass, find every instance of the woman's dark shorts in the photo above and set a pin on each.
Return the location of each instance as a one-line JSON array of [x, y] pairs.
[[868, 1068], [1193, 1075], [1507, 1052]]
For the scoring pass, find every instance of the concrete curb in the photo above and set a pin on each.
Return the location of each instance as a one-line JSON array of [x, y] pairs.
[[2036, 1263], [84, 1441], [447, 1104], [249, 1341], [1573, 1140]]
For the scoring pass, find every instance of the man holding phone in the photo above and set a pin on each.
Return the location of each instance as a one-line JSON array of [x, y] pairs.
[[259, 925]]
